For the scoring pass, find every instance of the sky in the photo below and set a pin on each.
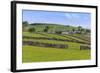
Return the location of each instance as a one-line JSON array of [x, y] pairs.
[[63, 18]]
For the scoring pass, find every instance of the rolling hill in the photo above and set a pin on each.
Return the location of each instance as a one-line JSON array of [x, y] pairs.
[[39, 27]]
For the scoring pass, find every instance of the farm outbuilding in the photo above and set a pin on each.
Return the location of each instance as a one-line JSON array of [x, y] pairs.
[[70, 32]]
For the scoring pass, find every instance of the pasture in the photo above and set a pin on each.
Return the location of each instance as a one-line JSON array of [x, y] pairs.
[[34, 53], [42, 54]]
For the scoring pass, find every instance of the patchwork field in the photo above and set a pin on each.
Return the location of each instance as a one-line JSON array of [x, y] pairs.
[[36, 49]]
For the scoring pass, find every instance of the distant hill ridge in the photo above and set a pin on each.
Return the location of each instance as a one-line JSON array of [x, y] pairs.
[[52, 28], [47, 24]]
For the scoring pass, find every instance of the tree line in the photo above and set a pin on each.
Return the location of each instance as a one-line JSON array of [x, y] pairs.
[[47, 28]]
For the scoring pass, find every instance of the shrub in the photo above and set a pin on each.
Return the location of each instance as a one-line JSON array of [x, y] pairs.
[[46, 29], [31, 29], [58, 32], [84, 47]]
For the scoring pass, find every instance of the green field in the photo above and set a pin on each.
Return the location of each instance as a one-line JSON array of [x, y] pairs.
[[42, 53]]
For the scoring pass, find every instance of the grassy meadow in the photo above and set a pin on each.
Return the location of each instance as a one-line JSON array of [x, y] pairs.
[[42, 54], [53, 42]]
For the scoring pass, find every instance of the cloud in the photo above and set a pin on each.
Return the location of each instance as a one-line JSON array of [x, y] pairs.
[[76, 16], [68, 15], [72, 15]]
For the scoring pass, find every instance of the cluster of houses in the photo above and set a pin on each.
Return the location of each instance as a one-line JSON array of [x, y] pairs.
[[66, 32], [70, 32]]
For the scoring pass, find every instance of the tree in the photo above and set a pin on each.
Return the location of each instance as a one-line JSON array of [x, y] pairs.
[[58, 32], [67, 25], [32, 29], [82, 31], [25, 23], [73, 29], [46, 29], [79, 28], [88, 31]]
